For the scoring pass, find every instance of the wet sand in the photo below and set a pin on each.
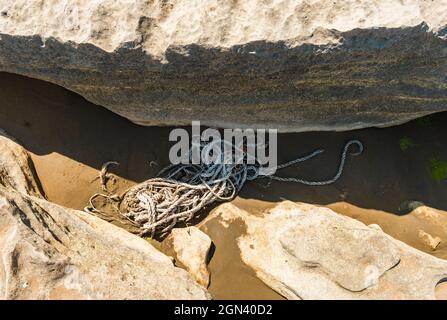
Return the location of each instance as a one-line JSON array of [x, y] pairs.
[[69, 139], [230, 277]]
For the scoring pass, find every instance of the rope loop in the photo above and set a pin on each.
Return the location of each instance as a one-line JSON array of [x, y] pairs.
[[181, 190]]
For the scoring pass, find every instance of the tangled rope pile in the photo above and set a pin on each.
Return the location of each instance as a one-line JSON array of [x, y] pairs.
[[181, 190]]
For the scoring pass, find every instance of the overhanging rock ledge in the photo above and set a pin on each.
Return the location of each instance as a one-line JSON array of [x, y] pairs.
[[291, 65]]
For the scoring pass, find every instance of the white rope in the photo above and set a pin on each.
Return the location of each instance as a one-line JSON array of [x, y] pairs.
[[324, 182], [181, 190]]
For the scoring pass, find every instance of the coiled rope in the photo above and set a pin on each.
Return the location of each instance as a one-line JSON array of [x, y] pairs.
[[181, 190]]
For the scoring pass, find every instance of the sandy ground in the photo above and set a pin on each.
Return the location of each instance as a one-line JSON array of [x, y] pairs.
[[69, 139]]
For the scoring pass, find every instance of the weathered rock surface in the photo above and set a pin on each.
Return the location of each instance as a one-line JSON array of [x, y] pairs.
[[50, 252], [16, 167], [292, 65], [429, 240], [308, 252], [192, 248]]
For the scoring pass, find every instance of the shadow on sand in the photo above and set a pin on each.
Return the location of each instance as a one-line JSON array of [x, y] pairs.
[[50, 120]]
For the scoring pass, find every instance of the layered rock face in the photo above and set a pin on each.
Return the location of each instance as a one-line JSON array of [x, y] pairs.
[[16, 168], [292, 65], [51, 252]]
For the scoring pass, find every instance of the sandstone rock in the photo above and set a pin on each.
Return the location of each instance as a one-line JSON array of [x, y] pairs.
[[429, 240], [308, 252], [404, 227], [192, 248], [50, 252], [16, 168], [291, 65], [431, 215], [441, 290]]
